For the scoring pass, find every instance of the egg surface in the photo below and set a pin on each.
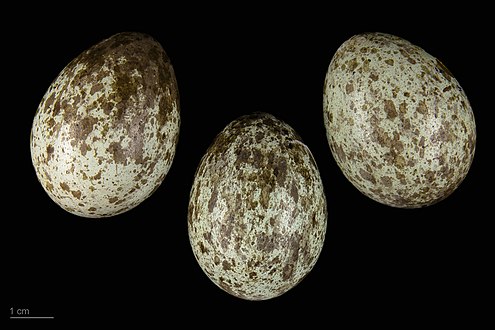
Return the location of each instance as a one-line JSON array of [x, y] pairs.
[[257, 209], [399, 125], [105, 132]]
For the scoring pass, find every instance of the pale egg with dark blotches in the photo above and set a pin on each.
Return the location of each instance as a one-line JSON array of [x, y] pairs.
[[257, 210], [398, 123], [105, 133]]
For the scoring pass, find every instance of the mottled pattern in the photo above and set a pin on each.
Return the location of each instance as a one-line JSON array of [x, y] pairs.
[[105, 132], [398, 123], [257, 210]]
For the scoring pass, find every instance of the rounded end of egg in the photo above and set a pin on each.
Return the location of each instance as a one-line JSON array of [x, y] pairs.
[[105, 133], [398, 123]]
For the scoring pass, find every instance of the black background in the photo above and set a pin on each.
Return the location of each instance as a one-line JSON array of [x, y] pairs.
[[379, 264]]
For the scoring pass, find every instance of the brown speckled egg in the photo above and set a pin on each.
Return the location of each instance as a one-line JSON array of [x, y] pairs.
[[398, 123], [105, 132], [257, 209]]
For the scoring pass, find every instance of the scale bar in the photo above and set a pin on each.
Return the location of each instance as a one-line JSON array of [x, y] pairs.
[[31, 317]]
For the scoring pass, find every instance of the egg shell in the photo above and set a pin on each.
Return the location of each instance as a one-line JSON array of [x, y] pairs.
[[257, 210], [105, 133], [399, 125]]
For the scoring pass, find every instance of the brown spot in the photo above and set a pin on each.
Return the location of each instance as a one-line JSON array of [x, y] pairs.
[[64, 186], [429, 176], [117, 152], [97, 176], [84, 148], [401, 177], [390, 109], [213, 199], [403, 108], [258, 136], [242, 157], [51, 122], [280, 171], [386, 181], [96, 88], [265, 243], [313, 221], [112, 199], [226, 265], [399, 161], [92, 209], [49, 152], [352, 64], [294, 193], [107, 108], [389, 61], [444, 134], [374, 77], [49, 186], [446, 89], [287, 271], [349, 88], [202, 248], [367, 176], [80, 129], [422, 108], [257, 160], [76, 194]]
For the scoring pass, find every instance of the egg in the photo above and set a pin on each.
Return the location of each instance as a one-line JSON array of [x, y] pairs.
[[105, 133], [257, 210], [398, 123]]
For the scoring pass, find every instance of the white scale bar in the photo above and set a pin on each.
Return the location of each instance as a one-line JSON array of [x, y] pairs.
[[31, 317]]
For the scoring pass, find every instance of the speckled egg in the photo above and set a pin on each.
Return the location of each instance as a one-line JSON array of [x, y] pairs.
[[257, 210], [398, 123], [105, 132]]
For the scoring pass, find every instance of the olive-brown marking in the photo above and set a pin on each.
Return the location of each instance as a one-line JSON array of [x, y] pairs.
[[226, 265], [49, 152], [422, 108], [112, 200], [367, 176], [390, 109], [349, 88], [294, 193], [64, 186], [213, 199], [81, 128], [287, 271], [118, 153], [280, 171], [94, 89], [352, 64], [76, 193]]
